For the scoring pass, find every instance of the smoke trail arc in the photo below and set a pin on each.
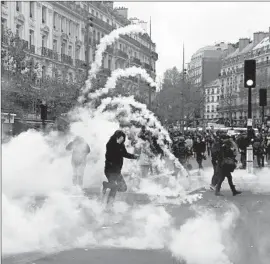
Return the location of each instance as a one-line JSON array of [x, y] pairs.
[[104, 42], [116, 74], [141, 115]]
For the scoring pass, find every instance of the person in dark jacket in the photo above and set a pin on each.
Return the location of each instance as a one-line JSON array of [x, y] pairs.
[[259, 150], [115, 154], [224, 170], [243, 143], [199, 148]]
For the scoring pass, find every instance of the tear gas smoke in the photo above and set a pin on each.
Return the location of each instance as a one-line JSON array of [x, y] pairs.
[[104, 42], [111, 82]]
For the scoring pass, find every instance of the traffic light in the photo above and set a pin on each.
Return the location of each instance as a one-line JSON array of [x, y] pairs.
[[250, 74], [185, 71], [263, 97], [43, 111]]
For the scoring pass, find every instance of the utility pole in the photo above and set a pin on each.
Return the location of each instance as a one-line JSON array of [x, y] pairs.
[[150, 88]]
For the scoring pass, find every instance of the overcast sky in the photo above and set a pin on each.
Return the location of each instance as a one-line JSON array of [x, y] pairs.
[[197, 25]]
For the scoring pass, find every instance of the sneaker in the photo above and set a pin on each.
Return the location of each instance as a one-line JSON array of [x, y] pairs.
[[236, 193], [218, 194]]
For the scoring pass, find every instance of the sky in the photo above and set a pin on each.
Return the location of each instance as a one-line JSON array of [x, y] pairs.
[[197, 25]]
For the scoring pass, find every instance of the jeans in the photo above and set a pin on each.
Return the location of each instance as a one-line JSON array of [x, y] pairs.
[[199, 159], [244, 159]]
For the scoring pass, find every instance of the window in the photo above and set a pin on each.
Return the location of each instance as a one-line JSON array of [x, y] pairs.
[[93, 12], [32, 8], [77, 31], [70, 51], [19, 30], [18, 6], [31, 37], [3, 24], [98, 36], [3, 2], [44, 14], [110, 62], [67, 26], [55, 45], [63, 48], [77, 53], [70, 77], [43, 72], [54, 20], [44, 41], [63, 24], [70, 27]]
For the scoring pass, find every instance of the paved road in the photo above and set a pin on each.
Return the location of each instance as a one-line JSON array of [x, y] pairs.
[[251, 234]]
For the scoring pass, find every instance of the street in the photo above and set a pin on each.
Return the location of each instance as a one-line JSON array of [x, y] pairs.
[[250, 236]]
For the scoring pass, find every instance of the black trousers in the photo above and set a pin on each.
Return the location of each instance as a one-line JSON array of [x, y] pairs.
[[222, 175], [215, 175], [244, 159], [199, 159], [260, 160], [116, 183]]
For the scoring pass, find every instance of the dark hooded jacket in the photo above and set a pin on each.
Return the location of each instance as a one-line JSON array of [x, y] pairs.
[[115, 153]]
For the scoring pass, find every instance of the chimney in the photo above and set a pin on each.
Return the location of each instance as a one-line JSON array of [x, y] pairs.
[[123, 11], [243, 42], [259, 36], [231, 49]]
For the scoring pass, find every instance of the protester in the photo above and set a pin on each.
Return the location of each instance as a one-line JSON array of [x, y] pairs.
[[80, 151], [259, 150], [226, 165], [215, 152], [115, 153], [199, 148]]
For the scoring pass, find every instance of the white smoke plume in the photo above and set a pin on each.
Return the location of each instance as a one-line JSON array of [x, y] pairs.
[[111, 82], [104, 42]]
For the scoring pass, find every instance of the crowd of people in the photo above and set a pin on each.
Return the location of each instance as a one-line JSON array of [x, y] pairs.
[[221, 148]]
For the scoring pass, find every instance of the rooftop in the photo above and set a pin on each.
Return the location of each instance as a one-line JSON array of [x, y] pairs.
[[213, 83], [265, 42]]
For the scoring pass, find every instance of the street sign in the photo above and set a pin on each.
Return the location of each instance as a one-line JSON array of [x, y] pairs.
[[249, 122]]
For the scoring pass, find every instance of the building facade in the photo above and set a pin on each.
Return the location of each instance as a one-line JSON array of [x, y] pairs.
[[204, 68], [212, 96], [233, 95], [55, 36]]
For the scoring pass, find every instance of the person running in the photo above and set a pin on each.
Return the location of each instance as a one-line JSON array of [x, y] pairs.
[[115, 154], [80, 151]]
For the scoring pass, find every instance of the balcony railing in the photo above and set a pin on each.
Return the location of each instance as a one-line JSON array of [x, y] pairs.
[[66, 59], [55, 55], [32, 49], [80, 63], [47, 52], [136, 61], [121, 54], [106, 71]]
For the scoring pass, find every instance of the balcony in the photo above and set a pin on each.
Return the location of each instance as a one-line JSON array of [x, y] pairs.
[[55, 55], [136, 61], [109, 50], [147, 66], [66, 59], [121, 54], [105, 71], [154, 55], [80, 63], [32, 49], [47, 52]]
